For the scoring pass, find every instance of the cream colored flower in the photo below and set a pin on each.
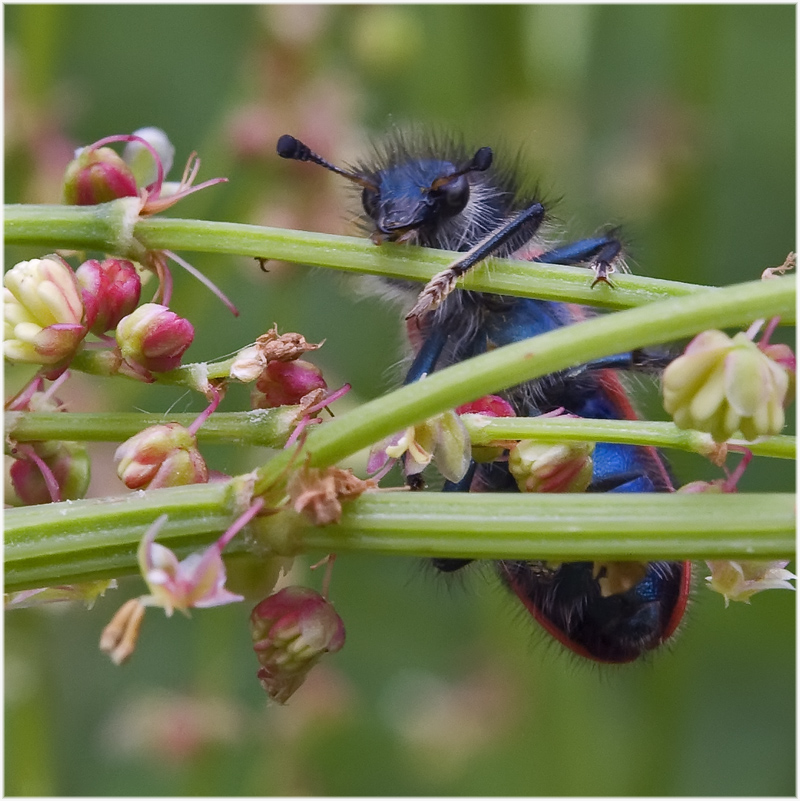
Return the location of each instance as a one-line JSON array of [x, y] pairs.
[[738, 581], [43, 312], [722, 385]]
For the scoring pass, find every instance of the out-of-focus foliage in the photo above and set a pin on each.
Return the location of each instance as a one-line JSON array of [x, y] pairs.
[[675, 121]]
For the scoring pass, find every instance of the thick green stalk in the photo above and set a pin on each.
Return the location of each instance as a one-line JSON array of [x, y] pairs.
[[79, 545]]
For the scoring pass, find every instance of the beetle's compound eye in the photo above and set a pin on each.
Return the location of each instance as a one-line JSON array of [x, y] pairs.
[[370, 200], [453, 196]]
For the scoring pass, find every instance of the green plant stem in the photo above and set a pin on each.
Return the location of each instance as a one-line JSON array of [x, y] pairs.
[[271, 427], [266, 427], [483, 430], [79, 545], [104, 228]]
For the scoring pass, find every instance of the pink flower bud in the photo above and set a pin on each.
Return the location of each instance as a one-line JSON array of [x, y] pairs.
[[97, 176], [111, 291], [291, 631], [43, 312], [62, 469], [285, 383], [163, 455], [154, 337], [490, 405]]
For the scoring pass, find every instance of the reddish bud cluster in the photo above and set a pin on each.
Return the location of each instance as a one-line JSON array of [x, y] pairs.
[[291, 631]]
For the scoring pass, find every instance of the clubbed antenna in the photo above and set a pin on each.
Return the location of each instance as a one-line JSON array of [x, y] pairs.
[[291, 148], [480, 162]]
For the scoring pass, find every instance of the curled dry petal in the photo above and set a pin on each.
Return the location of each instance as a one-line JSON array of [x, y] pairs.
[[284, 347], [319, 493]]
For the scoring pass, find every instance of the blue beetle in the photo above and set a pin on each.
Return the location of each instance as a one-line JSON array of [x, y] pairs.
[[435, 194]]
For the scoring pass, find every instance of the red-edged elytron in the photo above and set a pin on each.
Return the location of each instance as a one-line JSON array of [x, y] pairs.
[[438, 194]]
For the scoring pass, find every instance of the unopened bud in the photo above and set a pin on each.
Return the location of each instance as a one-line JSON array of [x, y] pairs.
[[555, 467], [97, 175], [154, 337], [488, 406], [111, 290], [286, 383], [291, 631], [164, 455], [69, 470]]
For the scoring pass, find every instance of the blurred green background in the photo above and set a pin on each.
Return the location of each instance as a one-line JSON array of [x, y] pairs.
[[676, 121]]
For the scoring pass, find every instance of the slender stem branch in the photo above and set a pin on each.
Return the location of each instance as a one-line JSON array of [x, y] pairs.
[[266, 427], [93, 227], [270, 428], [483, 430]]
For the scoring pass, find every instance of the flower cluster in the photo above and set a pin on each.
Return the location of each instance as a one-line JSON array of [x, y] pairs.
[[57, 316], [723, 385], [49, 310]]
